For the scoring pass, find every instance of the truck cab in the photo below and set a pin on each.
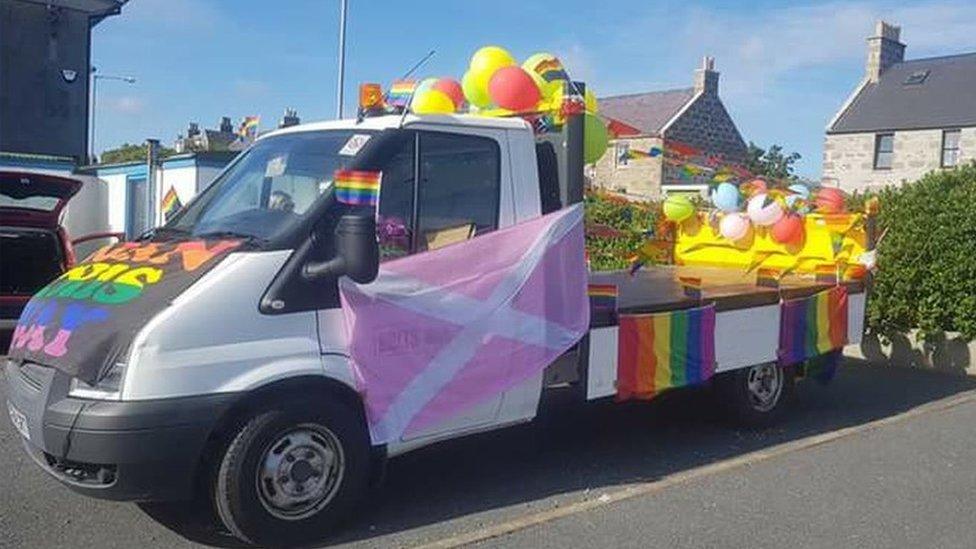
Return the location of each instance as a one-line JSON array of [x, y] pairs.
[[242, 386]]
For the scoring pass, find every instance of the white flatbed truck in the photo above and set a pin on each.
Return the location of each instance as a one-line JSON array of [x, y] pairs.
[[242, 390]]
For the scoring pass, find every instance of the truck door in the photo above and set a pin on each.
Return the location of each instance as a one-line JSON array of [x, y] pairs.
[[451, 192]]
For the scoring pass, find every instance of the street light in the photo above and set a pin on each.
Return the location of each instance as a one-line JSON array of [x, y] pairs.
[[342, 57], [95, 78]]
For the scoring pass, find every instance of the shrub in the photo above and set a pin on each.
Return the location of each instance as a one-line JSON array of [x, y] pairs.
[[927, 257], [615, 229]]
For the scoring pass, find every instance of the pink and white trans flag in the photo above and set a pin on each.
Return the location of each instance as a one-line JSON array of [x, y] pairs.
[[441, 331]]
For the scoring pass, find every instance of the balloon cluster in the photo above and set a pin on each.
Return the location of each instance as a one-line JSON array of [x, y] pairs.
[[781, 211], [495, 80]]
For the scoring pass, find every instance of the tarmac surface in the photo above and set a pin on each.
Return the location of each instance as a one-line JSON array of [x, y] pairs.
[[882, 457]]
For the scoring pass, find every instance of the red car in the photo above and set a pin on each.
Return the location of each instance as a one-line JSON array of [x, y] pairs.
[[34, 246]]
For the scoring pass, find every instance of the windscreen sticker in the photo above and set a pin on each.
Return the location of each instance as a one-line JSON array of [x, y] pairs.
[[83, 322], [276, 166], [355, 143]]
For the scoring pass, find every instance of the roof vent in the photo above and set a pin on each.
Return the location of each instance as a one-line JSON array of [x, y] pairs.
[[916, 78]]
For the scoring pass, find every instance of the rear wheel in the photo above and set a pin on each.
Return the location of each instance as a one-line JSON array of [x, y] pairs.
[[292, 472], [758, 395]]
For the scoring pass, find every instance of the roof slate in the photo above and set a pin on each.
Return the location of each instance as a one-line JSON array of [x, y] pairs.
[[947, 97], [648, 112]]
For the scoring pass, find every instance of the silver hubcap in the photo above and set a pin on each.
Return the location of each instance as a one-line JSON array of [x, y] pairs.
[[300, 472], [765, 384]]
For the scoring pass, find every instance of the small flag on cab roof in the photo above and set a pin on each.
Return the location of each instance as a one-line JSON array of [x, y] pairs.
[[357, 188]]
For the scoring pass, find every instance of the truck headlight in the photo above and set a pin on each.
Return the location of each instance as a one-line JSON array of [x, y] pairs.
[[107, 388]]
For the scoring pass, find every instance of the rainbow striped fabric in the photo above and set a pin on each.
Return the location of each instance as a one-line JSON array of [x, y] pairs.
[[661, 351], [170, 204], [358, 188], [400, 92], [602, 296], [812, 326]]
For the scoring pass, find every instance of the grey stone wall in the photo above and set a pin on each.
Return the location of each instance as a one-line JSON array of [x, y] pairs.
[[707, 125], [848, 159], [637, 176]]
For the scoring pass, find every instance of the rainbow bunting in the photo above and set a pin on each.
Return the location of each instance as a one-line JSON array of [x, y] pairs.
[[768, 278], [826, 274], [664, 350], [812, 326], [171, 204], [400, 92], [358, 188], [692, 286], [602, 296]]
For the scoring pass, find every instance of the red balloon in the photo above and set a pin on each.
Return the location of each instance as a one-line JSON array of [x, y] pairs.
[[512, 88], [452, 88], [788, 229], [830, 200]]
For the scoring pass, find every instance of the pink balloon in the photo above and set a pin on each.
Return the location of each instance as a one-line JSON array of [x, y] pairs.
[[512, 88], [453, 90]]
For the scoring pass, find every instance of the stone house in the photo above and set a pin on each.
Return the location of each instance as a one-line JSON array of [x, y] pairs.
[[647, 129], [905, 118]]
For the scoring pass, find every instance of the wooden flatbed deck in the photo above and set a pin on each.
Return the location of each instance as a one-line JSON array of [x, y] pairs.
[[657, 288]]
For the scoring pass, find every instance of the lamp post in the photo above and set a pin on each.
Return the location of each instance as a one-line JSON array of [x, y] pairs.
[[342, 57], [95, 78]]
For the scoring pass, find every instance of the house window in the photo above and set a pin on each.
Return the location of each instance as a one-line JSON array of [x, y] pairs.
[[884, 150], [621, 154], [950, 148]]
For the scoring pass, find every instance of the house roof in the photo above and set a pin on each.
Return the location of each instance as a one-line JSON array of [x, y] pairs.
[[946, 97], [648, 112]]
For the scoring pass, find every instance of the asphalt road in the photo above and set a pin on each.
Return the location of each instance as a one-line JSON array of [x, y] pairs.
[[909, 482]]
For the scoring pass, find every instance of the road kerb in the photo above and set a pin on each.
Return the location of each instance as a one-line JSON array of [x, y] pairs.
[[652, 487]]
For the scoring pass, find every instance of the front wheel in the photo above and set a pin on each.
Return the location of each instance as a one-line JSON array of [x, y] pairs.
[[291, 472], [758, 395]]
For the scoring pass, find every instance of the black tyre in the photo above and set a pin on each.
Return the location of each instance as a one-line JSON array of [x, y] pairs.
[[757, 396], [292, 472]]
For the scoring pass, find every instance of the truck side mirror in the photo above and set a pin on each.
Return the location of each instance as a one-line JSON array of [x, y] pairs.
[[357, 252]]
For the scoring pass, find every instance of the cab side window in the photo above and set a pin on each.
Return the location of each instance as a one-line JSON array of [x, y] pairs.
[[394, 222], [458, 191]]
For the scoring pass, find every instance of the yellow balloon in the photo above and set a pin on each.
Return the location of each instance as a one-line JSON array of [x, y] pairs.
[[590, 98], [484, 63], [432, 102], [476, 96]]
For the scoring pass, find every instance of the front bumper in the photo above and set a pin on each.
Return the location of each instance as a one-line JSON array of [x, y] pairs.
[[136, 451]]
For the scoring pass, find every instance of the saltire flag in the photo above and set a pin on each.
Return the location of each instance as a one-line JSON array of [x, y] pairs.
[[602, 296], [400, 92], [249, 127], [357, 188], [662, 351], [442, 331], [171, 204], [812, 326]]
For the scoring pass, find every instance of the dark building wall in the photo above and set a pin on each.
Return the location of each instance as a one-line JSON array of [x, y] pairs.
[[41, 112], [707, 125]]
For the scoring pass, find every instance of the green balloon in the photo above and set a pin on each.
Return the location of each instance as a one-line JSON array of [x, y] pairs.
[[594, 138]]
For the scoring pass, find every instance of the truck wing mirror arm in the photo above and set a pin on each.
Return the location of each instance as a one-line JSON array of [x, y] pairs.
[[357, 252]]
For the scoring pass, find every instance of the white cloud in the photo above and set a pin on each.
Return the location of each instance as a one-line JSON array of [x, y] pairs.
[[126, 104]]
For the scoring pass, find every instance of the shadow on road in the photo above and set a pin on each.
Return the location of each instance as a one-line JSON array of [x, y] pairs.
[[598, 446]]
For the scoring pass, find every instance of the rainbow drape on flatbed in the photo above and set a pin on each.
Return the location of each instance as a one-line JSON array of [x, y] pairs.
[[813, 326], [664, 350]]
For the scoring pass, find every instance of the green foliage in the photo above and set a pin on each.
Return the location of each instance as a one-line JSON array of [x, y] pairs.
[[615, 229], [128, 152], [927, 257], [771, 163]]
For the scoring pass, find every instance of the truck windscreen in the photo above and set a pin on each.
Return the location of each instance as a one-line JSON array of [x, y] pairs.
[[272, 186]]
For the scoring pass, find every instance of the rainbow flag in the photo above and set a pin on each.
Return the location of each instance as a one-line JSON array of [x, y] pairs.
[[602, 296], [812, 326], [692, 286], [664, 350], [826, 274], [171, 204], [768, 278], [400, 92], [249, 126], [358, 188]]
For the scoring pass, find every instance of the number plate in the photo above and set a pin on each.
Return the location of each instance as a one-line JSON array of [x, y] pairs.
[[19, 420]]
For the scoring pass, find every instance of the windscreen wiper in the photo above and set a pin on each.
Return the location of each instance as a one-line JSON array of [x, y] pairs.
[[249, 238]]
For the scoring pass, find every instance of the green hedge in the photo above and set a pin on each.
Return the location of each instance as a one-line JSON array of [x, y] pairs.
[[615, 229], [927, 257]]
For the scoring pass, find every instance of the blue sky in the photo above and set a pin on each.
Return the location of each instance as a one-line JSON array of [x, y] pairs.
[[786, 67]]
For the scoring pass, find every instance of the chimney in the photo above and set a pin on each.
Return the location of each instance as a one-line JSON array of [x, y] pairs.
[[225, 125], [289, 119], [884, 50], [706, 78], [193, 130]]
